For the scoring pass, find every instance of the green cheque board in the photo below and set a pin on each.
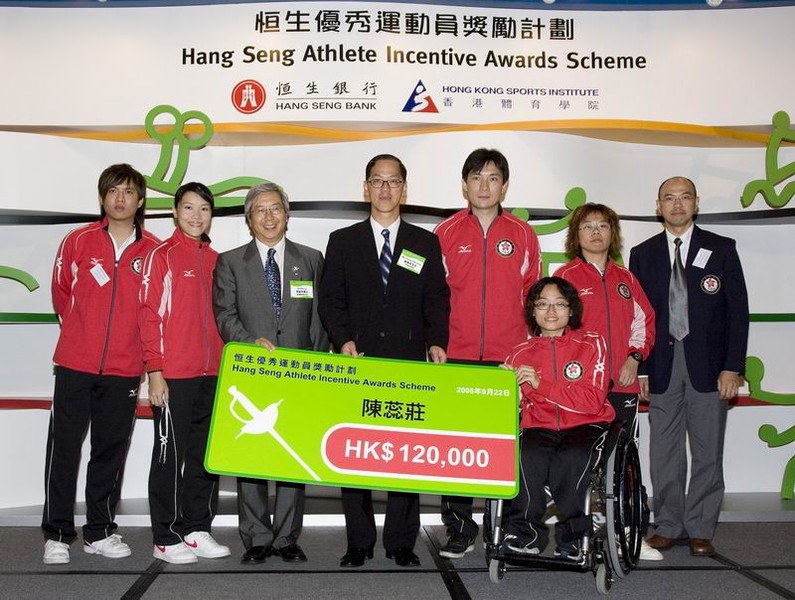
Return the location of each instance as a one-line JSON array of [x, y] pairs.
[[331, 419]]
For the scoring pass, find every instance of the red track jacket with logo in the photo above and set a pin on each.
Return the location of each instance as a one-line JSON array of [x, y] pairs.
[[96, 299], [573, 387], [489, 277], [615, 306], [178, 328]]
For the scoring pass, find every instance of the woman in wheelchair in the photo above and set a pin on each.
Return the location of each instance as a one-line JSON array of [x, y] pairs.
[[564, 418]]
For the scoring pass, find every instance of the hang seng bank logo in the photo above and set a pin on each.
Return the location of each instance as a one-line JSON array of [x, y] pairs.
[[420, 100], [248, 96]]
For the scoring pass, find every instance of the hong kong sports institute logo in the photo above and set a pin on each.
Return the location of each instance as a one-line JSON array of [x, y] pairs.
[[248, 96], [420, 100]]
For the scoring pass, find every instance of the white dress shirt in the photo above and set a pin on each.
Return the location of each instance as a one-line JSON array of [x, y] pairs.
[[379, 238], [683, 249]]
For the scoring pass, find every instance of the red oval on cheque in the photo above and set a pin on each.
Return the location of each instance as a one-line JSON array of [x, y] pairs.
[[394, 451]]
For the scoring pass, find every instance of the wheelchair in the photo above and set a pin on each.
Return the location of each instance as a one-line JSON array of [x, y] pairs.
[[611, 536]]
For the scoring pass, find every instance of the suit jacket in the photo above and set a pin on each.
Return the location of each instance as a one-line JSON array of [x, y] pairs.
[[402, 321], [717, 304], [242, 304]]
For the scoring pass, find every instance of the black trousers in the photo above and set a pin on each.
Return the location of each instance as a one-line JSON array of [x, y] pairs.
[[457, 510], [563, 460], [107, 403], [401, 525], [183, 497], [457, 515]]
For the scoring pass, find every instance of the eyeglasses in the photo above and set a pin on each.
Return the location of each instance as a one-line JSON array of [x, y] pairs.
[[683, 198], [593, 226], [274, 210], [543, 305], [379, 183]]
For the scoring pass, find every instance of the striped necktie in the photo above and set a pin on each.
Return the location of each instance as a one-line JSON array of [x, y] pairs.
[[385, 260]]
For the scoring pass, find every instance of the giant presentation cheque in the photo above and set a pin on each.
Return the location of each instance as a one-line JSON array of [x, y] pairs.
[[330, 419]]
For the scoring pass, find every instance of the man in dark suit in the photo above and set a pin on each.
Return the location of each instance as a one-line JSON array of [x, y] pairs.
[[383, 293], [266, 293], [694, 281]]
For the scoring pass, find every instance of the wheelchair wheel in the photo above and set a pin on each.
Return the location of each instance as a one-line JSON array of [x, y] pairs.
[[604, 579], [496, 570], [623, 506]]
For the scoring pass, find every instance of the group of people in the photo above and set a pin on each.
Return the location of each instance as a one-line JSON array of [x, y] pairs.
[[586, 345]]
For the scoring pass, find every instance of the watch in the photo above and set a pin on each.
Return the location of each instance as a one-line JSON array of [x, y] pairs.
[[636, 355]]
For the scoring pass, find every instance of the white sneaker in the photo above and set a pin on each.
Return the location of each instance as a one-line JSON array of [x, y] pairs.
[[56, 553], [649, 553], [511, 543], [176, 554], [110, 547], [202, 544]]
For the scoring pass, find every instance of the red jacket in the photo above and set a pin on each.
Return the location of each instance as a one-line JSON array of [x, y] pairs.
[[96, 299], [489, 277], [615, 306], [573, 387], [178, 328]]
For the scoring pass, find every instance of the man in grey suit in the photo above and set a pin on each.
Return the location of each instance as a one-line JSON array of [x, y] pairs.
[[265, 293]]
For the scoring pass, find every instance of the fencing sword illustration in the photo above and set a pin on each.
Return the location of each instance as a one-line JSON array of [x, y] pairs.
[[263, 421]]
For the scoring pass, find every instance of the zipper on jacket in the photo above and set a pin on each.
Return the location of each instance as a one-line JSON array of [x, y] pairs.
[[204, 311], [483, 290], [138, 237], [609, 340], [555, 377], [112, 302]]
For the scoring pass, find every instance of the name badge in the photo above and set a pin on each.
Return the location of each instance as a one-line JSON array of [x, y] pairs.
[[701, 258], [302, 289], [99, 274], [410, 261]]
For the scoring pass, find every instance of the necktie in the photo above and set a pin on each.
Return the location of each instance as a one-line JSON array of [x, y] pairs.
[[273, 278], [385, 260], [678, 325]]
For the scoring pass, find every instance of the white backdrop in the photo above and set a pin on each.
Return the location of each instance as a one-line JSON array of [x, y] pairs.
[[82, 81]]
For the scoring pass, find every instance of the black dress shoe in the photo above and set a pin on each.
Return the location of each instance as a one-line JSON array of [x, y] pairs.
[[255, 555], [291, 553], [404, 557], [355, 557]]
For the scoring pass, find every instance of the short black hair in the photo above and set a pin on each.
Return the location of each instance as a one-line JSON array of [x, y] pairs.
[[477, 159], [378, 157], [197, 188], [118, 174], [568, 291]]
